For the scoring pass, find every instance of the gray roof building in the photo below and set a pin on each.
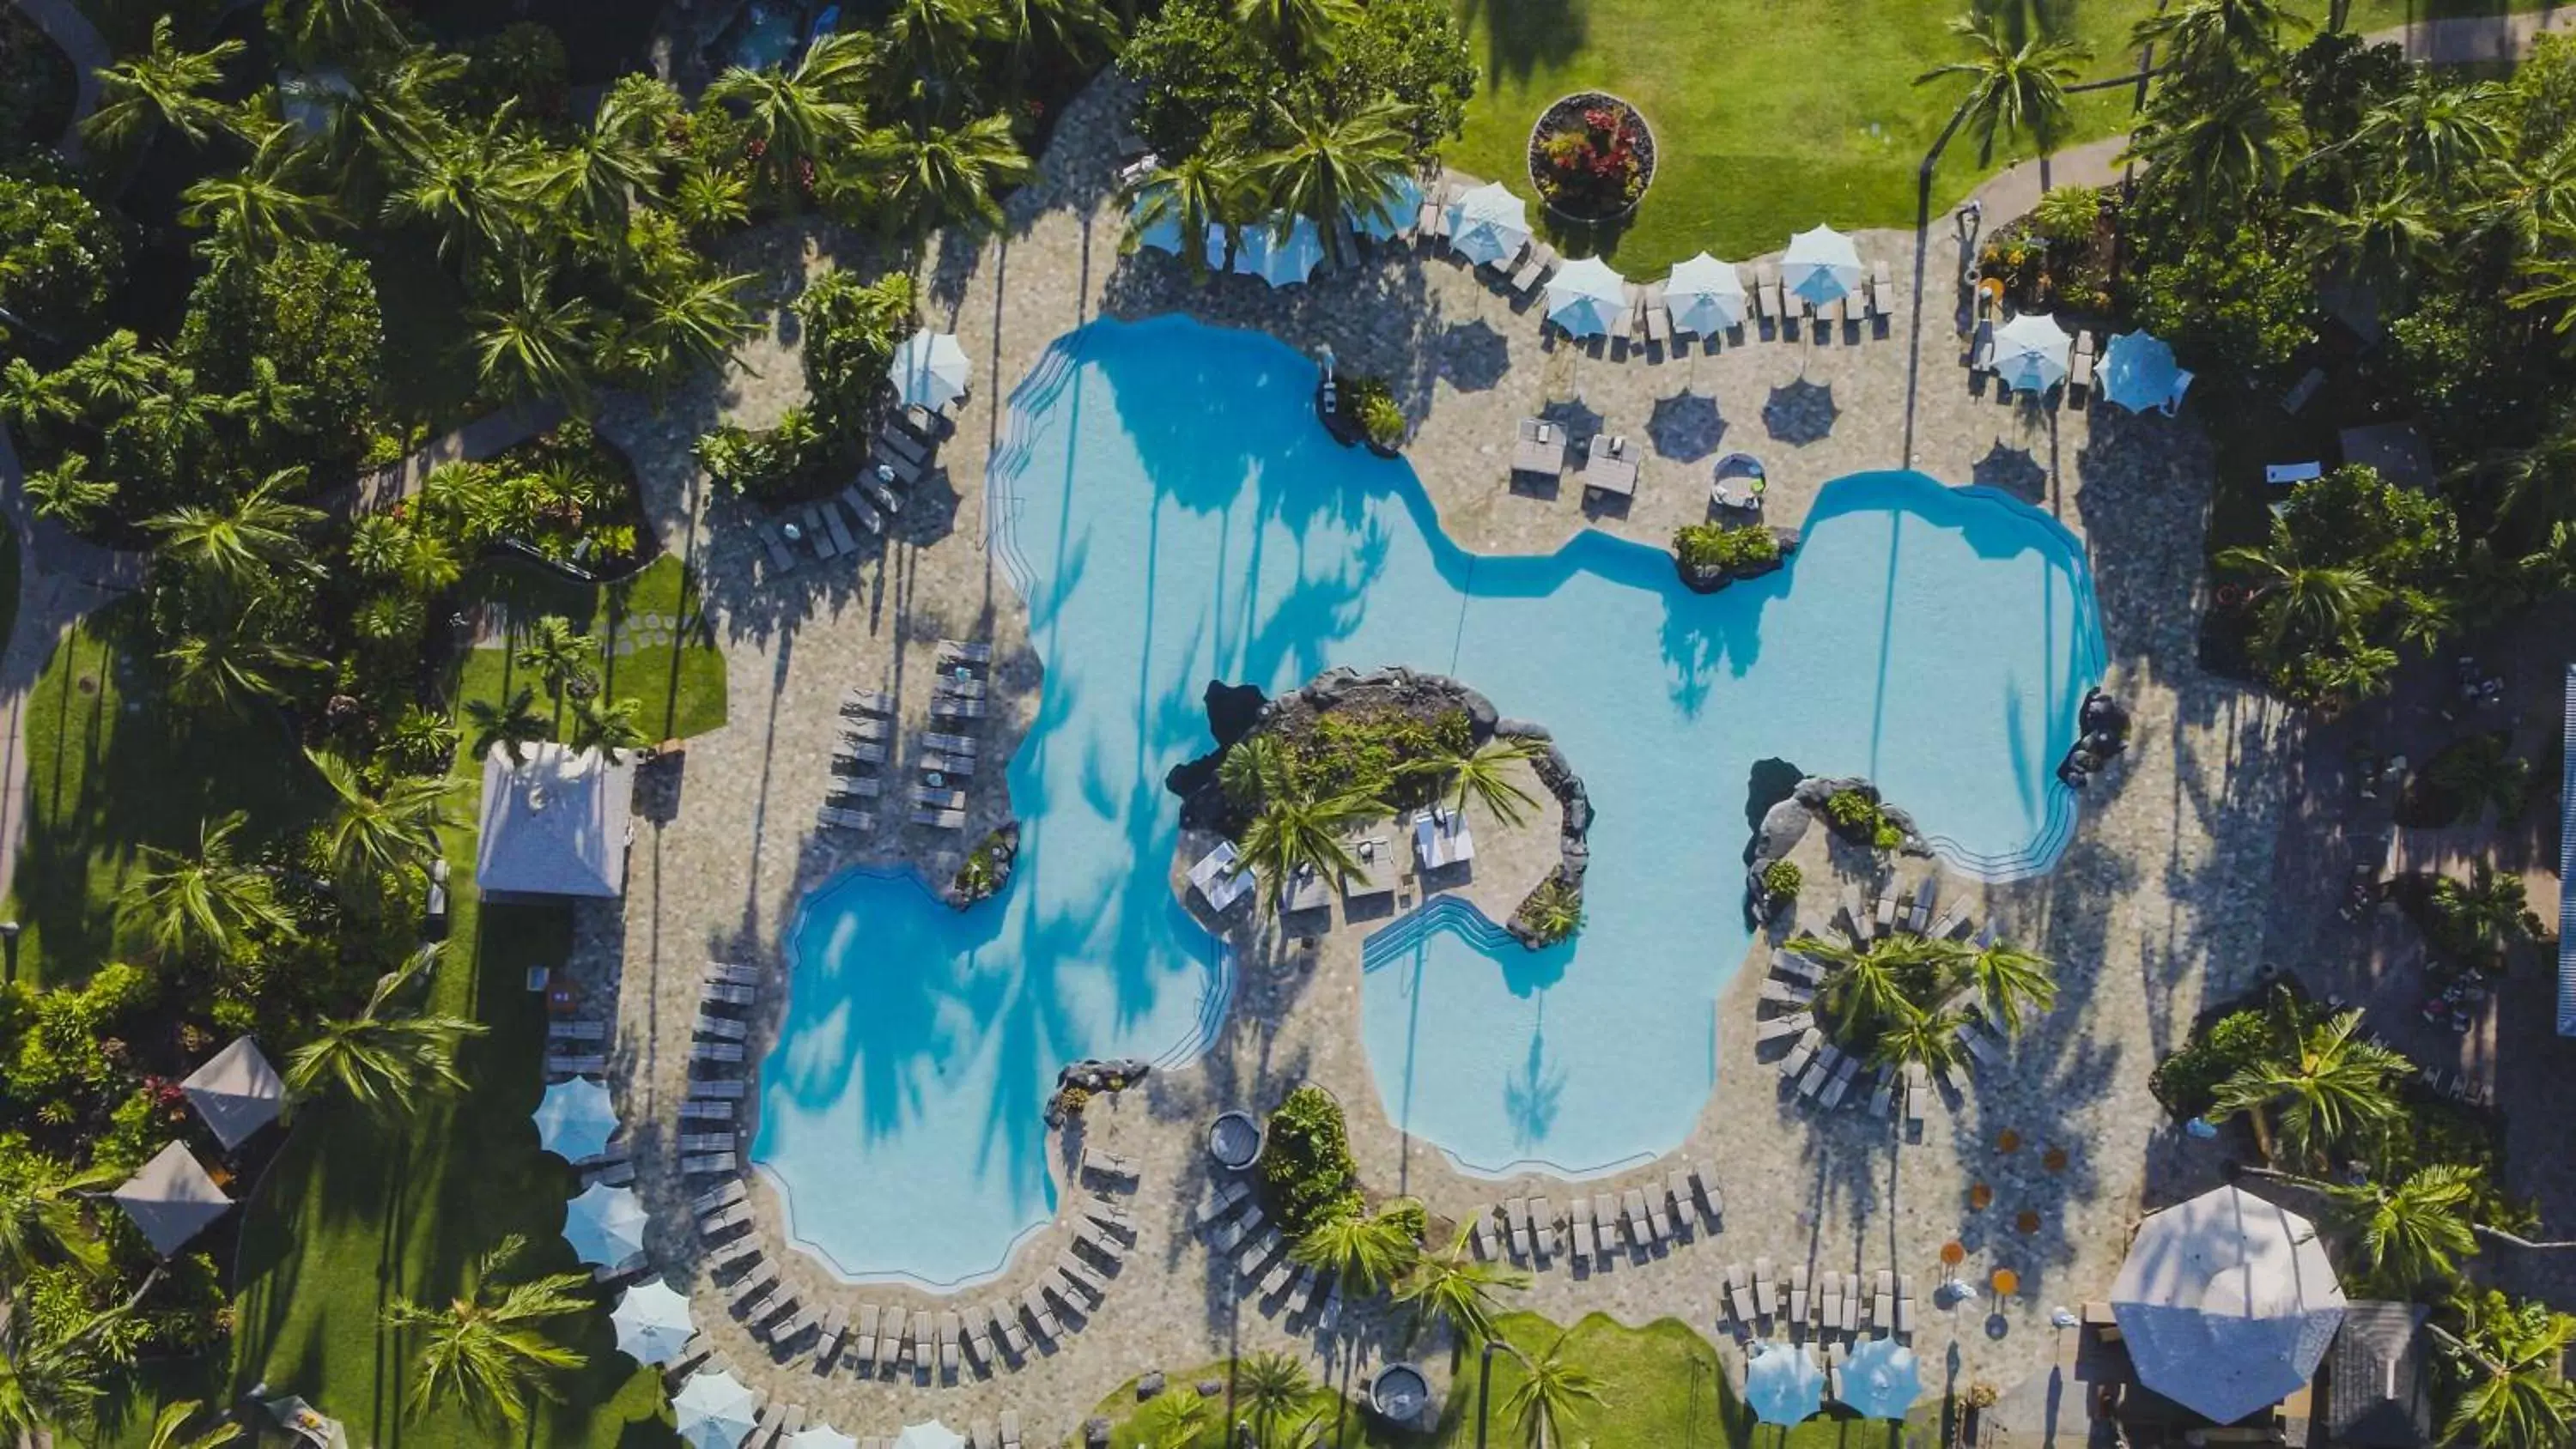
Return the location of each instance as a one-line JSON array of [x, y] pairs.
[[236, 1091], [556, 825], [172, 1199], [2376, 1391]]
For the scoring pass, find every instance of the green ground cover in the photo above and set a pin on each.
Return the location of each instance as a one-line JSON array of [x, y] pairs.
[[681, 685], [1770, 119]]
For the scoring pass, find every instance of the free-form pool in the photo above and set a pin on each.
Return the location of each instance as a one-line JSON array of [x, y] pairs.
[[1172, 514]]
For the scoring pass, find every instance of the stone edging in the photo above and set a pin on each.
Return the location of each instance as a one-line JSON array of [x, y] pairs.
[[1572, 104], [1785, 824]]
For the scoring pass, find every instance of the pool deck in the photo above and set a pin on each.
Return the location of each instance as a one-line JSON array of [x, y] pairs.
[[2156, 906]]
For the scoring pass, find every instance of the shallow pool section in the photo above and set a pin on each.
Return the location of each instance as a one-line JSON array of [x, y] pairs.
[[1172, 514]]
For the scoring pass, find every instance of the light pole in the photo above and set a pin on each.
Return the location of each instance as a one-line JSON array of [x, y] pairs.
[[1484, 1386]]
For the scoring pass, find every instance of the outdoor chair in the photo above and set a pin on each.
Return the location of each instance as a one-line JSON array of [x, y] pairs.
[[1739, 1293]]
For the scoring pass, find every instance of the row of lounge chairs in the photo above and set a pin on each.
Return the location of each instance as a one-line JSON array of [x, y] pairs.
[[1236, 1228], [1831, 1304], [900, 456], [576, 1047], [865, 743], [720, 1037], [1636, 1221]]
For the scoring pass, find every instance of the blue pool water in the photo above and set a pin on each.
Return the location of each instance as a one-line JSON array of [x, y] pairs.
[[1171, 514]]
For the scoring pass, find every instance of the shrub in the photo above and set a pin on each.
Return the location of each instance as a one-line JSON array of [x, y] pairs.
[[1552, 912], [1307, 1163], [851, 330], [1381, 419], [1851, 810], [64, 256], [1204, 75], [1717, 547], [1781, 879], [2187, 1082], [2069, 213], [311, 311]]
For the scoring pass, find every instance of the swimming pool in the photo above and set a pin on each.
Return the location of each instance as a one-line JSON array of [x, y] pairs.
[[1171, 514]]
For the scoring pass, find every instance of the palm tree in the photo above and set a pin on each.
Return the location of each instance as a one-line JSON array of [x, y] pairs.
[[1252, 769], [1919, 1037], [2221, 146], [689, 322], [2008, 979], [2517, 1396], [2484, 917], [509, 726], [945, 176], [1076, 30], [930, 41], [1296, 29], [385, 122], [1457, 1288], [476, 187], [608, 726], [231, 662], [2326, 1086], [238, 548], [2482, 774], [2438, 137], [2205, 39], [382, 1059], [1363, 1251], [369, 837], [50, 1382], [2303, 606], [605, 166], [1295, 836], [68, 493], [170, 1428], [1332, 169], [2524, 199], [2416, 1231], [206, 904], [1196, 194], [163, 86], [1483, 775], [44, 1220], [2012, 88], [1550, 1395], [488, 1348], [1864, 988], [534, 346], [279, 193], [561, 655], [801, 117], [337, 28], [2378, 239], [1270, 1386]]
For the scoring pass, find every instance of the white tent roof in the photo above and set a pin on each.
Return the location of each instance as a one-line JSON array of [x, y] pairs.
[[605, 1225], [652, 1321], [821, 1436], [1586, 298], [715, 1410], [557, 825], [2227, 1303], [1879, 1379], [1783, 1383], [1705, 295], [1821, 265], [575, 1119], [932, 1435], [236, 1091], [2031, 352], [1488, 224], [929, 370], [171, 1199]]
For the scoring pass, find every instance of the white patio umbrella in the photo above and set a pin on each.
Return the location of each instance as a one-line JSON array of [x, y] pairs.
[[1488, 224], [1586, 298], [1821, 266], [2031, 352], [821, 1436], [715, 1410], [576, 1119], [2138, 372], [932, 1435], [929, 370], [652, 1321], [2227, 1303], [1705, 295], [605, 1225], [1783, 1384], [1880, 1379], [1280, 261], [1403, 203]]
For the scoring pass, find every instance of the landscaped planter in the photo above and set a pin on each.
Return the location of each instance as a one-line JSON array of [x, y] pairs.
[[1591, 157]]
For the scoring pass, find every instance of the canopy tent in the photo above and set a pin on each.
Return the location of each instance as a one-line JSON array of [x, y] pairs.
[[575, 1119], [1705, 295], [1403, 203], [1163, 233], [1260, 251], [1783, 1383], [652, 1321], [929, 371], [1879, 1379], [236, 1091], [2138, 372], [557, 824], [172, 1199], [2227, 1302], [821, 1436], [1587, 299], [605, 1225], [715, 1410], [1821, 266], [932, 1435], [2031, 352], [1488, 224]]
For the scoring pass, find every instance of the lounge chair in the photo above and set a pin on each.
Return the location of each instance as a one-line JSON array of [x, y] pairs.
[[1579, 1228], [1605, 1226], [1787, 993], [950, 706], [1923, 897], [724, 974], [1310, 1293], [559, 1064], [1641, 1222], [708, 1164], [1798, 1302], [1801, 1054], [1797, 968], [1080, 1275], [1659, 318], [1677, 1188], [1739, 1293], [894, 1338], [1832, 1096], [940, 819], [1711, 1201], [1516, 1216], [1225, 1200], [1535, 266], [1830, 1301], [1821, 1071], [714, 1198], [1010, 1429], [867, 702], [696, 1351], [1006, 1329], [1882, 1304], [1110, 1165], [1882, 292], [1766, 1296], [1775, 1028], [786, 1331], [1259, 1253], [1905, 1303], [819, 534], [722, 995], [863, 1343], [842, 538], [725, 1028], [902, 445], [1543, 1229], [1851, 1303], [762, 1277], [969, 653], [781, 557], [1041, 1318], [729, 1088], [1483, 1227], [948, 1326], [717, 1224], [2079, 371], [1767, 303], [835, 1329], [1918, 1086]]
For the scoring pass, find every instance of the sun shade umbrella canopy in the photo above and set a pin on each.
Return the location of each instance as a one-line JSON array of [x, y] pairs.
[[575, 1119], [1279, 260], [2030, 352], [1821, 266], [933, 1435], [1705, 295], [2138, 372], [1403, 203], [1163, 233], [2226, 1302], [929, 370], [821, 1436], [652, 1322], [1488, 224], [236, 1091], [605, 1225], [1784, 1385], [172, 1199], [715, 1411], [1880, 1379], [1586, 298]]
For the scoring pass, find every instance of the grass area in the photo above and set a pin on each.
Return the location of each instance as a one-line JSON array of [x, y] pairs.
[[1770, 119], [108, 775], [681, 685], [1659, 1385]]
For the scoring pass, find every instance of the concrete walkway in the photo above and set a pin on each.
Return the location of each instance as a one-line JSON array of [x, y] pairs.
[[66, 26]]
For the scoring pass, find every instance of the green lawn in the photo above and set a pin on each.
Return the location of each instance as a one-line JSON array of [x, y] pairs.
[[1659, 1386], [107, 775], [1771, 118], [681, 686]]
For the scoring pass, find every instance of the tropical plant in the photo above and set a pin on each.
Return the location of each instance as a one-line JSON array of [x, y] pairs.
[[1296, 29], [931, 42], [2416, 1231], [534, 345], [488, 1349], [384, 1059], [1919, 1037], [230, 661], [67, 493], [1864, 987], [208, 903], [2009, 980], [278, 194], [477, 187], [688, 323], [45, 1220], [2219, 39], [608, 726], [2481, 773], [2379, 239], [1176, 1418], [1458, 1289], [1072, 29], [163, 86], [1194, 195], [1270, 1386], [170, 1428], [2435, 136], [800, 118], [2218, 149], [237, 548], [1337, 168], [561, 655], [2069, 213], [369, 837], [1294, 836], [1550, 1395], [510, 725], [2511, 1358], [2316, 1086], [2301, 605], [49, 1382], [953, 175], [2482, 919], [1552, 912], [2013, 88], [1483, 775], [1364, 1252]]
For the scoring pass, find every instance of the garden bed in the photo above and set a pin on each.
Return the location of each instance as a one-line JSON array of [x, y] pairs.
[[580, 509], [1591, 157]]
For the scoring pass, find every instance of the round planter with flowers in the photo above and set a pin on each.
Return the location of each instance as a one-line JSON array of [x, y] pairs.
[[1591, 157]]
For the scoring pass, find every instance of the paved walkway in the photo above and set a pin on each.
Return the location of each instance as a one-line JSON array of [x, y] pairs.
[[69, 28]]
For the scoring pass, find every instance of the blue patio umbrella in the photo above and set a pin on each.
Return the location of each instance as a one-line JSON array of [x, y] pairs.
[[1281, 260], [1488, 224], [652, 1322], [2031, 352], [1783, 1384], [2138, 372], [1163, 233], [575, 1119], [1880, 1379], [1403, 203], [1821, 266], [1705, 295]]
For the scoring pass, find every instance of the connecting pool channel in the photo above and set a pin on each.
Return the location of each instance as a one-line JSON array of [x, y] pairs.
[[1171, 513]]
